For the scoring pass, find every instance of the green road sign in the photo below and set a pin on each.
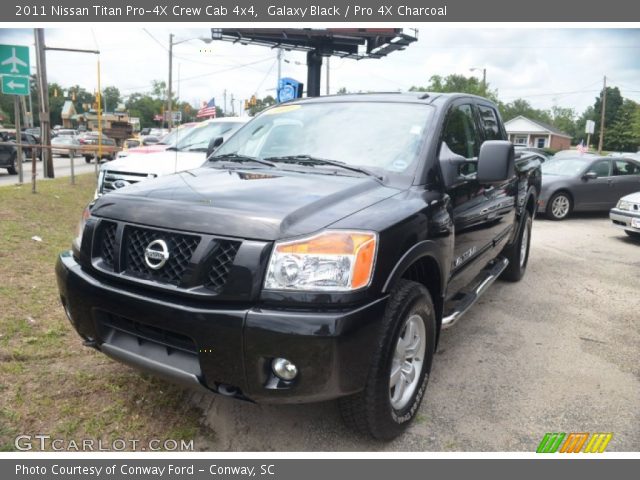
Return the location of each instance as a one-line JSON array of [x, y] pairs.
[[14, 60], [15, 85]]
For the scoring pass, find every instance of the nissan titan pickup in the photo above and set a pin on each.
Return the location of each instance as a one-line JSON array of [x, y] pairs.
[[316, 254]]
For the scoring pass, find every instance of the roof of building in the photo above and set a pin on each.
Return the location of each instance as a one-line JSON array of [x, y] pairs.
[[543, 125]]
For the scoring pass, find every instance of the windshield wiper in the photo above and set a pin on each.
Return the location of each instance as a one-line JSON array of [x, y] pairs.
[[309, 160], [234, 157]]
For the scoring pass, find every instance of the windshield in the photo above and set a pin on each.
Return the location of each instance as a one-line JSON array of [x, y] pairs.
[[198, 137], [385, 136], [176, 135], [567, 167]]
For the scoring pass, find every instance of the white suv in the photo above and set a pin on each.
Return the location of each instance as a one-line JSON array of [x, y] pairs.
[[189, 152]]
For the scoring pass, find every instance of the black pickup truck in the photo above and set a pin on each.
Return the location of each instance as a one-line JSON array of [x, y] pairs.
[[316, 255]]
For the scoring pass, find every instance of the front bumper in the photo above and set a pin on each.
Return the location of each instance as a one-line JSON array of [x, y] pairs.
[[223, 349], [624, 218]]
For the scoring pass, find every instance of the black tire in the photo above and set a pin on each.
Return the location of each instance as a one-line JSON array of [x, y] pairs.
[[559, 196], [370, 412], [87, 159], [518, 259], [633, 234], [12, 170]]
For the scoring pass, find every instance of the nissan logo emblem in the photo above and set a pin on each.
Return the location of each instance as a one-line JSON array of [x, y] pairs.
[[156, 254], [120, 183]]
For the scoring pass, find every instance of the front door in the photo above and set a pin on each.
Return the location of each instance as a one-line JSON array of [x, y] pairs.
[[473, 205]]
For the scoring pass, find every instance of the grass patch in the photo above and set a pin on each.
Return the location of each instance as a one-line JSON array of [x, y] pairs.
[[49, 383]]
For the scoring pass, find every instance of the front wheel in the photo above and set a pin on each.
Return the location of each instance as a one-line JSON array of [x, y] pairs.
[[87, 159], [518, 253], [559, 206], [400, 368], [11, 169]]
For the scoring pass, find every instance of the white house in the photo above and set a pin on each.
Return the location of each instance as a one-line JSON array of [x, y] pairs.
[[532, 133]]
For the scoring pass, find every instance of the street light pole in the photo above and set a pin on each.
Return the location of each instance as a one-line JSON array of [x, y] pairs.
[[484, 77]]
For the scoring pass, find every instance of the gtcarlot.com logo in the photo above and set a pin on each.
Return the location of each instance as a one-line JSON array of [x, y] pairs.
[[574, 442]]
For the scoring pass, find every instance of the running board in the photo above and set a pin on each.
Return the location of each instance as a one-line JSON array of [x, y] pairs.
[[486, 277]]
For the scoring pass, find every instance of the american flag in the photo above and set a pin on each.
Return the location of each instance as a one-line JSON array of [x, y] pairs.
[[582, 148], [207, 109]]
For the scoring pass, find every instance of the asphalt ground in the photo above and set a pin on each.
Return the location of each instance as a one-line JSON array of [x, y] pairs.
[[558, 351]]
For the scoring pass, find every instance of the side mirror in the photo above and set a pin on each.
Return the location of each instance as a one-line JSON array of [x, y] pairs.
[[213, 144], [450, 163], [590, 176], [496, 162]]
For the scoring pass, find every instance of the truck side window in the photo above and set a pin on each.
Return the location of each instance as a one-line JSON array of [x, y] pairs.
[[460, 133], [490, 124]]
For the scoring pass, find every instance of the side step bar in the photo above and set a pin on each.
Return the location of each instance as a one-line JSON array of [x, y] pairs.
[[486, 278]]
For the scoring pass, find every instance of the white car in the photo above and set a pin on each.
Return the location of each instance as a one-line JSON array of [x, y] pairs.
[[188, 153], [626, 214]]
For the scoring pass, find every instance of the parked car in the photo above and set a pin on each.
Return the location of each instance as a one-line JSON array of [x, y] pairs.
[[62, 144], [167, 141], [537, 153], [316, 255], [188, 152], [89, 146], [626, 214], [586, 183], [571, 154], [66, 132], [8, 154]]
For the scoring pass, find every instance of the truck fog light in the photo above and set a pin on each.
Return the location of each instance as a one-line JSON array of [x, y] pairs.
[[284, 369]]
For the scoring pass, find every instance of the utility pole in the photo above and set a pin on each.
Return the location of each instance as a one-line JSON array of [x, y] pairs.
[[43, 94], [279, 68], [233, 107], [224, 110], [169, 103], [603, 106], [328, 70], [16, 115]]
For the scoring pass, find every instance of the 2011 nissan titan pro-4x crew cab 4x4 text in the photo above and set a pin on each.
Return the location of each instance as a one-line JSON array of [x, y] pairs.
[[316, 254]]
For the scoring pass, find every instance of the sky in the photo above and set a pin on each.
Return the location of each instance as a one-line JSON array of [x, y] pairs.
[[547, 67]]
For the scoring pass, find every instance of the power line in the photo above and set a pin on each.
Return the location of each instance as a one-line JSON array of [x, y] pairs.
[[155, 40]]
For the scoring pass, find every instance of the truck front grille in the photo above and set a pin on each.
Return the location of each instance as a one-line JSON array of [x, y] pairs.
[[222, 262], [181, 248], [108, 242], [200, 264], [112, 180]]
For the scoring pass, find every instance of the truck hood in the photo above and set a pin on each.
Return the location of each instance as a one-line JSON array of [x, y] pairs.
[[256, 204], [158, 163]]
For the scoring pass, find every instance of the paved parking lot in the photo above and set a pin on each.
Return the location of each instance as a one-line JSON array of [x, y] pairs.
[[61, 168], [557, 352]]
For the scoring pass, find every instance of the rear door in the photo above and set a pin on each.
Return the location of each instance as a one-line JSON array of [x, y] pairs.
[[626, 178]]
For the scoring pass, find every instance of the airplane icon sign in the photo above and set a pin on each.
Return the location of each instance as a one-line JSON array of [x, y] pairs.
[[14, 60]]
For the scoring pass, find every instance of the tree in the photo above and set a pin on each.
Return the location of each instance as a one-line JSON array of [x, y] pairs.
[[613, 104], [522, 107], [457, 83], [145, 107], [111, 98], [622, 135], [564, 119], [261, 104]]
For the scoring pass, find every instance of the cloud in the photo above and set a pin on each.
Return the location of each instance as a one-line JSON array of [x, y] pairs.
[[562, 66]]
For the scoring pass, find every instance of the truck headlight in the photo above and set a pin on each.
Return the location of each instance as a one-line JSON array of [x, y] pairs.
[[86, 213], [333, 260], [624, 205]]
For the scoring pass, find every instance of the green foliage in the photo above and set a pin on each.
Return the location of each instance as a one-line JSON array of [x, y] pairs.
[[613, 104], [457, 83], [623, 133], [261, 104]]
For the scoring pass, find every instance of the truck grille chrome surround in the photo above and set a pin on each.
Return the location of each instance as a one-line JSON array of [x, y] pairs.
[[121, 249]]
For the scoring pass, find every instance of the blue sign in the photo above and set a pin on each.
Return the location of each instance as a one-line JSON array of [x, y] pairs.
[[288, 89]]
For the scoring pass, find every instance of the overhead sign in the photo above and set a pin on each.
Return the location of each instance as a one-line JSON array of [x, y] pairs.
[[590, 127], [15, 85], [14, 60]]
